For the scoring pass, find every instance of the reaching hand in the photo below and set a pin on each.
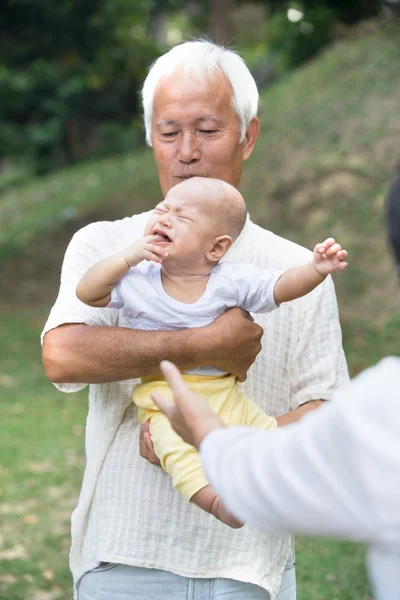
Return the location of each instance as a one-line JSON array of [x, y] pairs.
[[329, 257], [144, 249], [190, 416]]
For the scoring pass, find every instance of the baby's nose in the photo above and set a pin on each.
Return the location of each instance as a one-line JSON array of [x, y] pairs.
[[164, 220]]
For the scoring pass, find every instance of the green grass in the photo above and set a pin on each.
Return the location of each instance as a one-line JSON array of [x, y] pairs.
[[321, 167], [42, 450], [331, 570], [31, 210]]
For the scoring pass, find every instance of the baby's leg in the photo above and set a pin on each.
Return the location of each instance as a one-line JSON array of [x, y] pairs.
[[182, 462], [208, 500], [254, 416]]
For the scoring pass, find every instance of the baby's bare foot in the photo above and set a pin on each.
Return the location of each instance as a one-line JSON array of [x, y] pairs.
[[222, 514]]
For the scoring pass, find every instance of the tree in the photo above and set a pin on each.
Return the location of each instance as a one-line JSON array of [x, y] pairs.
[[69, 77]]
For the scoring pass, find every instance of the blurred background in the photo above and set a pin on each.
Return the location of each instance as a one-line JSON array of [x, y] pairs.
[[72, 151]]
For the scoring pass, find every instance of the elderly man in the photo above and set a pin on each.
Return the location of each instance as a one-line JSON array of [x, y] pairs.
[[133, 536]]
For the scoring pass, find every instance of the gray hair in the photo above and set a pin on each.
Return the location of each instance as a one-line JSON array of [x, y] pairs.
[[202, 58]]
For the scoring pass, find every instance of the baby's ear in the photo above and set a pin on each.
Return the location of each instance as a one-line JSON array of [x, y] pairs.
[[221, 246]]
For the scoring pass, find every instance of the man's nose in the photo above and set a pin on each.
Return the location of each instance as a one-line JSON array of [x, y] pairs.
[[188, 151]]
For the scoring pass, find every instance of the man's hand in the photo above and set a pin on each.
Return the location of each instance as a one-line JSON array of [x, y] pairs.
[[144, 249], [329, 257], [235, 341], [146, 447], [190, 416]]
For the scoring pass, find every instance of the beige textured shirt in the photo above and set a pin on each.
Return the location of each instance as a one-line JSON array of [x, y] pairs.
[[128, 511]]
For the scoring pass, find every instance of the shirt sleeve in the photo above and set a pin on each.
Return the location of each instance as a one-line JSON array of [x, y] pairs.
[[82, 252], [255, 287], [318, 365], [335, 473], [116, 297]]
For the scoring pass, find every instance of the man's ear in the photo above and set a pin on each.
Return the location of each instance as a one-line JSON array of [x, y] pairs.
[[251, 137], [221, 246]]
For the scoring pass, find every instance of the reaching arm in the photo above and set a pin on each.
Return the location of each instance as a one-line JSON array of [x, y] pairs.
[[302, 279], [334, 473]]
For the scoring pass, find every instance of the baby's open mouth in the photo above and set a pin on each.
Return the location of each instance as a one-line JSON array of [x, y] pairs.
[[160, 237]]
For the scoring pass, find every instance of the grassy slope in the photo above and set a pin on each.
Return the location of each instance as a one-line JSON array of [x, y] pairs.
[[322, 167], [329, 141]]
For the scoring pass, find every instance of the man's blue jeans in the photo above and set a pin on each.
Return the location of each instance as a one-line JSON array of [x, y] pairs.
[[122, 582]]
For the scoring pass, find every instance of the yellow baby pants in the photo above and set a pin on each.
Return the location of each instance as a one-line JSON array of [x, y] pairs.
[[180, 460]]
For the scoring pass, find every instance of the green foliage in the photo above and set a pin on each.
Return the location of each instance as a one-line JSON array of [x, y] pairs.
[[349, 12], [69, 78], [292, 44]]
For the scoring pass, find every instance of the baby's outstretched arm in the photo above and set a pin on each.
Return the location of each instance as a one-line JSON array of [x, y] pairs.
[[96, 285], [300, 280]]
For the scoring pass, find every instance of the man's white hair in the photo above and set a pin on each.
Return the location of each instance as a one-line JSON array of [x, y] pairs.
[[203, 58]]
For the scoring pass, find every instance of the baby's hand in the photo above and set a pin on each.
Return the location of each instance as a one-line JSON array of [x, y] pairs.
[[144, 249], [329, 257]]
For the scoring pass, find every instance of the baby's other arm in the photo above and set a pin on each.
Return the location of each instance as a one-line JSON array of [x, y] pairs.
[[96, 285], [302, 279]]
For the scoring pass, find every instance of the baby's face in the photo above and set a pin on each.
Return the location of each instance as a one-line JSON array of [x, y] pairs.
[[183, 225]]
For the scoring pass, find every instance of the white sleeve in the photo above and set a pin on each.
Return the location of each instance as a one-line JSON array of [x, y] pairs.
[[318, 365], [116, 297], [255, 287], [336, 472], [82, 252]]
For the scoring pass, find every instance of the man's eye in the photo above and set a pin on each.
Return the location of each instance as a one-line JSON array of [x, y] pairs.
[[208, 130], [170, 134]]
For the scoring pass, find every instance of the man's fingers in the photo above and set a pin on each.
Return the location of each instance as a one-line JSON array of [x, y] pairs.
[[174, 380], [144, 428], [146, 445], [163, 404], [247, 315], [148, 442]]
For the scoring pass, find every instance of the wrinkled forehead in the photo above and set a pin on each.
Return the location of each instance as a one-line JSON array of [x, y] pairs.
[[194, 90]]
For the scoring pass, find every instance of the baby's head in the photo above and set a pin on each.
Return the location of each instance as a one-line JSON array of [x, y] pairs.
[[198, 221]]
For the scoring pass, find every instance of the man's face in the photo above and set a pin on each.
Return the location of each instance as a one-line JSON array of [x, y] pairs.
[[196, 131]]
